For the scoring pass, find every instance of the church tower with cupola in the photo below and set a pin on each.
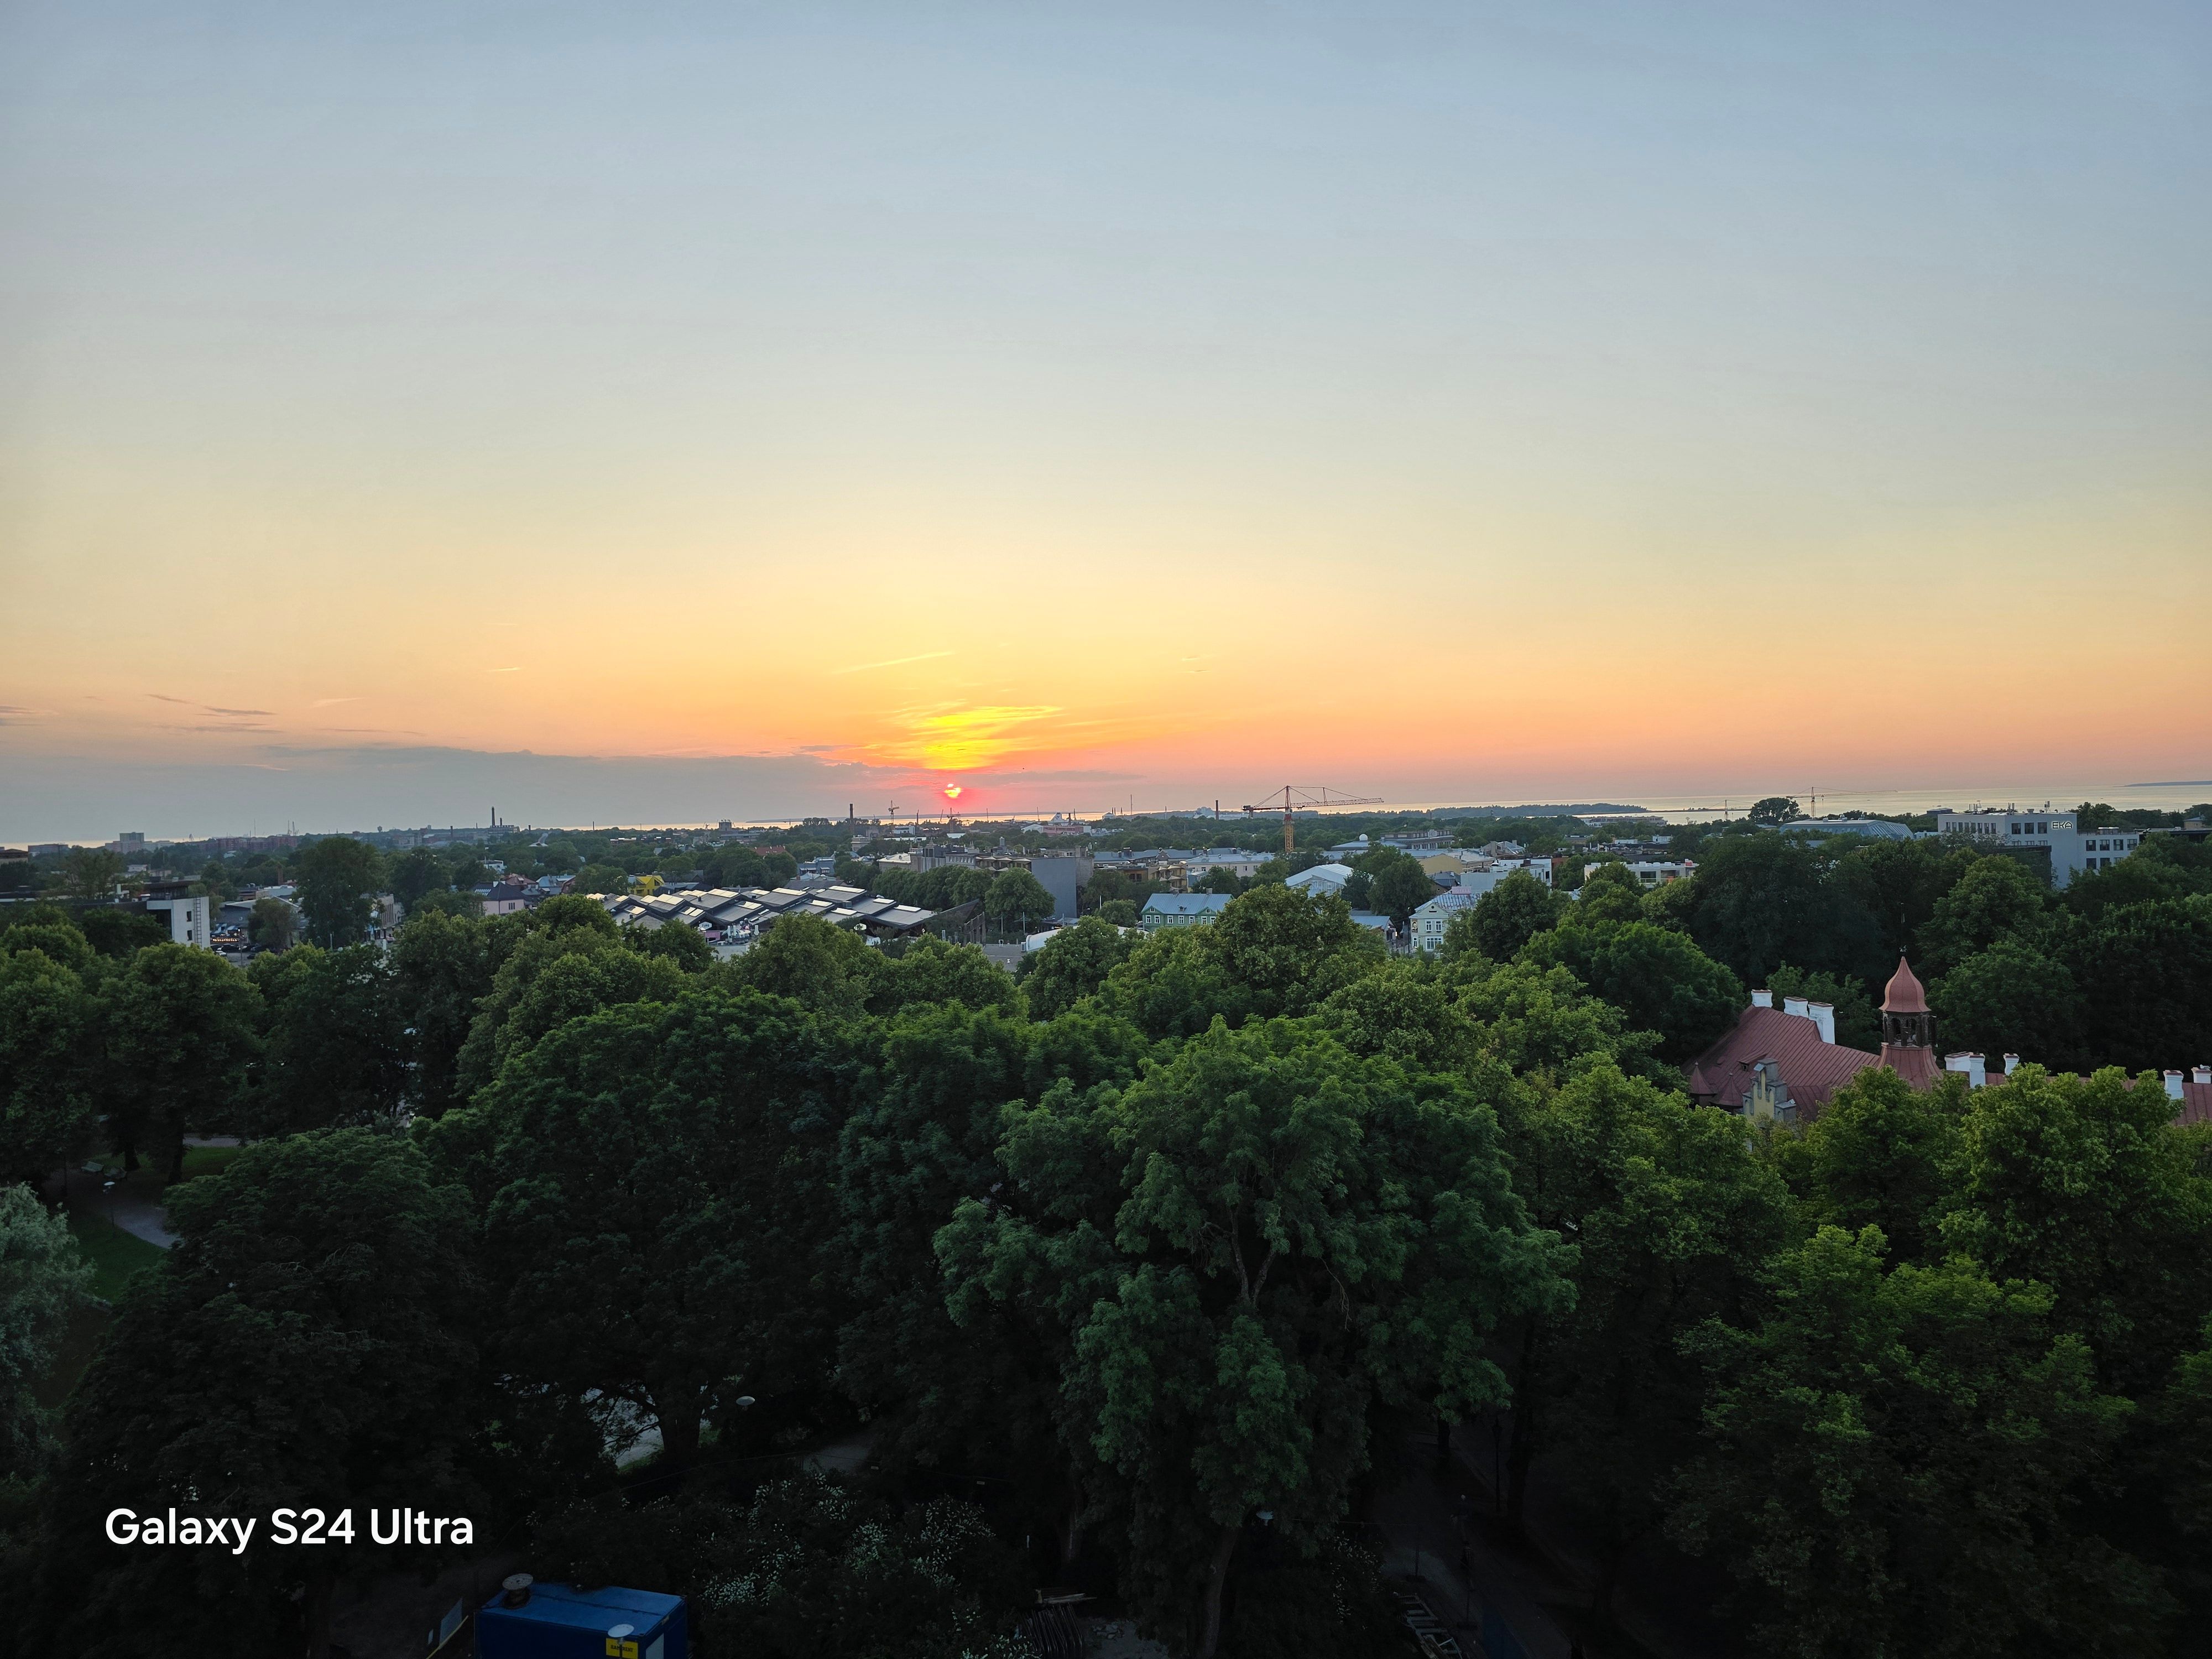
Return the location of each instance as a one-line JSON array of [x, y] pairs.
[[1908, 1029]]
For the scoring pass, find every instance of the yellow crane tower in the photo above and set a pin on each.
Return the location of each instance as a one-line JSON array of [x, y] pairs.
[[1295, 795]]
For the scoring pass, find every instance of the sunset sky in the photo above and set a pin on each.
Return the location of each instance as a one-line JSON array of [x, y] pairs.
[[748, 408]]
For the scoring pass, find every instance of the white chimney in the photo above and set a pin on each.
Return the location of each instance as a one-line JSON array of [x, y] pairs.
[[2174, 1085], [1797, 1005], [2202, 1075], [2012, 1064], [1762, 998], [1823, 1016], [1975, 1067]]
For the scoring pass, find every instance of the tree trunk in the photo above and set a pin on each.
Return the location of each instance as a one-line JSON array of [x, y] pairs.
[[679, 1425], [1071, 1533], [1216, 1577], [1516, 1471], [1525, 1430]]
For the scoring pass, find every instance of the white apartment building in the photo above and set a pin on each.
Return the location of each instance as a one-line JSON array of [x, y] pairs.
[[189, 921], [2073, 849], [1658, 872], [1240, 862]]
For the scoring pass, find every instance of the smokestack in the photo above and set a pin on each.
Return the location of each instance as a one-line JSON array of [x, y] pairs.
[[1823, 1016], [1798, 1006], [1975, 1067], [1762, 998], [2174, 1085]]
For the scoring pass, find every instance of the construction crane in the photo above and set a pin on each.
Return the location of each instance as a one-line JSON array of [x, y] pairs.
[[1295, 795]]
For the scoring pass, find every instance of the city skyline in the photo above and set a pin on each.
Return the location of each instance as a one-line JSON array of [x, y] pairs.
[[767, 410]]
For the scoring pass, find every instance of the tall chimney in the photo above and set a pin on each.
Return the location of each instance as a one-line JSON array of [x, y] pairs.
[[1798, 1006], [1762, 998], [1823, 1016], [2012, 1064], [2174, 1085]]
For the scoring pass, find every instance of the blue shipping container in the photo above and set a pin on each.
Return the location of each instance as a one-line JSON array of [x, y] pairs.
[[560, 1621]]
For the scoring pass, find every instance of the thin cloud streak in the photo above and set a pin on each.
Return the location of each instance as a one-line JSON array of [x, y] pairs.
[[890, 662]]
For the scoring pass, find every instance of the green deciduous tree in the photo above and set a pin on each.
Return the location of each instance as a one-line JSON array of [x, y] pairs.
[[1899, 1458], [2145, 974], [334, 1046], [1672, 1223], [91, 873], [181, 1025], [805, 958], [308, 1343], [1658, 978], [1899, 883], [1775, 808], [2013, 998], [49, 1037], [1505, 918], [416, 873], [930, 970], [42, 1280], [1400, 887], [1762, 900], [1996, 898], [272, 924], [1273, 950], [1291, 1235], [441, 965], [338, 879], [1881, 1154], [608, 879], [807, 1569], [673, 942], [2084, 1185], [567, 959], [1017, 899], [1073, 965], [657, 1200]]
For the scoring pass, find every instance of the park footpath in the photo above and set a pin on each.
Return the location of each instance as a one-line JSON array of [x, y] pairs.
[[132, 1202], [1504, 1595]]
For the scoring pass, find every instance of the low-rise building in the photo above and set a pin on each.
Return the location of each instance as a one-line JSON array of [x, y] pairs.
[[1785, 1063], [1062, 875], [1181, 909], [2074, 848], [190, 922], [1880, 828], [1240, 862], [1418, 842], [1327, 879], [1430, 920], [1657, 872]]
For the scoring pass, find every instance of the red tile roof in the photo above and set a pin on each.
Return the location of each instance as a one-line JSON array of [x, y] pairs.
[[1813, 1070], [1919, 1066], [2196, 1103], [1903, 995]]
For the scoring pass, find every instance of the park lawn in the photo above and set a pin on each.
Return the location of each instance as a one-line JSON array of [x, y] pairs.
[[208, 1160], [114, 1254]]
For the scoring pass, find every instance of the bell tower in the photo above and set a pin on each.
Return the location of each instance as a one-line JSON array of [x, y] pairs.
[[1908, 1028]]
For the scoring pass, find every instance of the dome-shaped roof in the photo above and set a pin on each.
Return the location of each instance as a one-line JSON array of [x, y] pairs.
[[1903, 994]]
